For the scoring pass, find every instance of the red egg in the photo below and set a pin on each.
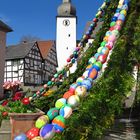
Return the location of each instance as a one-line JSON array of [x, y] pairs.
[[33, 132], [102, 58], [68, 60], [68, 94], [95, 20]]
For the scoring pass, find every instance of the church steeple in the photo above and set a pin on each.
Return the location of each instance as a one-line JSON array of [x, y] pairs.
[[66, 9], [66, 1]]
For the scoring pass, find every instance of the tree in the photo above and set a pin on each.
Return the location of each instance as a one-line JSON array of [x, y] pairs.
[[29, 38]]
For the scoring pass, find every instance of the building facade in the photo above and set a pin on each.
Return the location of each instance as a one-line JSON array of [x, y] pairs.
[[26, 62], [3, 30]]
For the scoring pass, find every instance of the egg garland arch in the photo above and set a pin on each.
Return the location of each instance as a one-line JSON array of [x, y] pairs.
[[58, 122]]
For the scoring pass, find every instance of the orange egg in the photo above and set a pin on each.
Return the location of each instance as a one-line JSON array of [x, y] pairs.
[[105, 38], [93, 74]]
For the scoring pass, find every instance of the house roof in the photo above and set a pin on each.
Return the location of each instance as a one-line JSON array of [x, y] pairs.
[[45, 47], [22, 49], [5, 27], [18, 51]]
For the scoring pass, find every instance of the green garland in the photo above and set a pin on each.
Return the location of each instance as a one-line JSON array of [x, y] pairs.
[[106, 98]]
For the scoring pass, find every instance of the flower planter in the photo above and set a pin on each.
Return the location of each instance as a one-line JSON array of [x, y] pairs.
[[22, 122]]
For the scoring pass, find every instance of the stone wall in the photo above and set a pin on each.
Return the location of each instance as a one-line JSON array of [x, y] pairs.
[[2, 58]]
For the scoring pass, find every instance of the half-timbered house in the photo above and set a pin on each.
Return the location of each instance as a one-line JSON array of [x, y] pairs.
[[49, 58], [27, 62]]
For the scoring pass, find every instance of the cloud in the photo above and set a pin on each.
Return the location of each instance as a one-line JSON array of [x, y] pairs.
[[4, 18]]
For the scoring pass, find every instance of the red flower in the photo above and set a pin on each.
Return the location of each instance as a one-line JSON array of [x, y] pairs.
[[16, 98], [25, 101], [5, 103], [4, 114], [18, 94]]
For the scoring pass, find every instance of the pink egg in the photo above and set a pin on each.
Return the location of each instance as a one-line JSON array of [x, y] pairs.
[[109, 45], [117, 27], [112, 38]]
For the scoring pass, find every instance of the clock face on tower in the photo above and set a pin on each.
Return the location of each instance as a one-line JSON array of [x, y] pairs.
[[66, 22]]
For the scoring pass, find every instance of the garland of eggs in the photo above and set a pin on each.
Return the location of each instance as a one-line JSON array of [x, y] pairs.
[[73, 57], [71, 99]]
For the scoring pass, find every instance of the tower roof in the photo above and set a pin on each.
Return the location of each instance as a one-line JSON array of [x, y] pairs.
[[66, 9]]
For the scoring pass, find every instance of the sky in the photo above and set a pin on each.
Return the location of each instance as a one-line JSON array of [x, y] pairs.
[[38, 17]]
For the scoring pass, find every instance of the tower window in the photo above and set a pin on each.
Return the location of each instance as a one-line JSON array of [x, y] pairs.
[[68, 35], [67, 48]]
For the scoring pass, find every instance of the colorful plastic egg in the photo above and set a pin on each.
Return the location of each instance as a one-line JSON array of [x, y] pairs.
[[37, 138], [121, 17], [117, 27], [68, 94], [113, 23], [111, 29], [105, 38], [33, 132], [125, 7], [68, 60], [59, 123], [102, 58], [93, 74], [88, 67], [73, 86], [73, 101], [99, 51], [103, 43], [114, 18], [65, 111], [21, 137], [96, 55], [124, 12], [92, 60], [80, 80], [87, 83], [41, 121], [80, 91], [112, 38], [119, 22], [105, 50], [52, 113], [85, 74], [47, 132], [117, 15], [109, 45], [97, 65], [115, 32], [108, 33], [60, 102]]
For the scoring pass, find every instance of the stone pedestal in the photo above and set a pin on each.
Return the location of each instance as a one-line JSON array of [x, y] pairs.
[[22, 122], [5, 130]]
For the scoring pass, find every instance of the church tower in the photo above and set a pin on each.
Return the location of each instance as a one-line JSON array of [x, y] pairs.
[[65, 32]]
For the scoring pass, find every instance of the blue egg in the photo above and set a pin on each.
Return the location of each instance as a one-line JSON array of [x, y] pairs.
[[96, 55], [87, 83], [114, 18], [47, 131], [21, 137], [121, 17], [126, 2], [125, 7], [74, 86], [118, 10], [96, 67]]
